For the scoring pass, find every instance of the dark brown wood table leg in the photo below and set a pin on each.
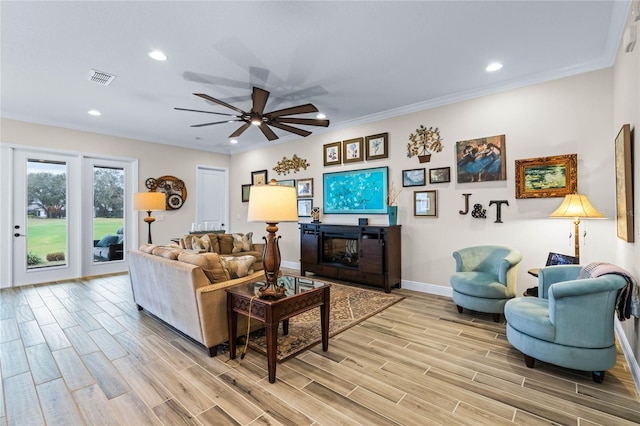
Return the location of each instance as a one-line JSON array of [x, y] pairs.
[[324, 319], [272, 349], [232, 321]]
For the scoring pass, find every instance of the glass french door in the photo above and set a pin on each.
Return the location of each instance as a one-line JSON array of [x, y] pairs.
[[45, 204]]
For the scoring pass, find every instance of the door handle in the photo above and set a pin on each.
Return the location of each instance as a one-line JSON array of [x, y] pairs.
[[17, 234]]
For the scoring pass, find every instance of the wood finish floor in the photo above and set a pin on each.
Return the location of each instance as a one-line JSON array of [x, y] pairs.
[[80, 353]]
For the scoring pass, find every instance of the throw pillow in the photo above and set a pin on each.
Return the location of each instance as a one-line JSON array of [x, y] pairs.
[[238, 266], [147, 248], [198, 243], [226, 243], [242, 242], [167, 252], [106, 240], [210, 264], [213, 241]]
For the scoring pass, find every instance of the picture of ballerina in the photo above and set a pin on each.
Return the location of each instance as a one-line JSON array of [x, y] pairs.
[[481, 160]]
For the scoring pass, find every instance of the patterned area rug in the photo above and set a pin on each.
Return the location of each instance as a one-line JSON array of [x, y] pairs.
[[349, 306]]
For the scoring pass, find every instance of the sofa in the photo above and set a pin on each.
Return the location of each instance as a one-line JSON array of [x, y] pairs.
[[109, 247], [185, 288]]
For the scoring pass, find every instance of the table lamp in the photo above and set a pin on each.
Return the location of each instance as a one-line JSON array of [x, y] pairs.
[[148, 201], [272, 204], [577, 206]]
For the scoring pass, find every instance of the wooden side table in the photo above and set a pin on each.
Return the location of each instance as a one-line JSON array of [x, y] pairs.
[[302, 295]]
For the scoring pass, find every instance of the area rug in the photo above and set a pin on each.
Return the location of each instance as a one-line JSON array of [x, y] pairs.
[[349, 305]]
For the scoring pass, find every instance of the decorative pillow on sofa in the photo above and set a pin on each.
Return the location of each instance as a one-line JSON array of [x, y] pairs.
[[167, 252], [226, 243], [242, 242], [210, 264], [214, 247], [238, 266], [148, 248]]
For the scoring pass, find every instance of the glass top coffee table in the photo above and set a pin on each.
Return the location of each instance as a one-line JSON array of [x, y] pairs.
[[302, 294]]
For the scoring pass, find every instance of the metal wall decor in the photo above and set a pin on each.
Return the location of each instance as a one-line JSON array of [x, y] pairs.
[[287, 165], [423, 142], [174, 189]]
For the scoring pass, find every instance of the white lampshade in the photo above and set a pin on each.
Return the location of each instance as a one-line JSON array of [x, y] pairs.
[[272, 203], [577, 206], [148, 201]]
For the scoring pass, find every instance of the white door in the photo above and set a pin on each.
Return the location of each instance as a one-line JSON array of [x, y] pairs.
[[45, 205], [212, 198]]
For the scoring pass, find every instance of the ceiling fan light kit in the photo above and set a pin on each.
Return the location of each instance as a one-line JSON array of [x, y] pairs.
[[263, 120]]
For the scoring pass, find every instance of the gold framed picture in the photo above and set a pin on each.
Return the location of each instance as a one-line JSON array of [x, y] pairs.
[[352, 150], [624, 185], [332, 153], [377, 146], [425, 203], [547, 177]]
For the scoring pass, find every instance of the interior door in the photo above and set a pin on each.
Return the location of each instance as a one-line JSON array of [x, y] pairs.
[[45, 203], [211, 199]]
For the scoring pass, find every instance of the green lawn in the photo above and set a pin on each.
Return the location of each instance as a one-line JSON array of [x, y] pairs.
[[48, 235]]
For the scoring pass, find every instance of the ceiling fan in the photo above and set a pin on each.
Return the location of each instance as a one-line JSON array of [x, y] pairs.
[[263, 120]]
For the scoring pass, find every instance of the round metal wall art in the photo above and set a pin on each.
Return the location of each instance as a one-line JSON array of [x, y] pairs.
[[175, 190]]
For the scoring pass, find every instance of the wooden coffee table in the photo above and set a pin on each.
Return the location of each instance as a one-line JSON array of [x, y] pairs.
[[302, 294]]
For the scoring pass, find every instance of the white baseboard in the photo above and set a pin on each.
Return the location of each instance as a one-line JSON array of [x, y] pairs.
[[628, 354], [438, 290]]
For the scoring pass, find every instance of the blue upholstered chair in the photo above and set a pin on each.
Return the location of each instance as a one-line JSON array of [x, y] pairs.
[[485, 278], [570, 323]]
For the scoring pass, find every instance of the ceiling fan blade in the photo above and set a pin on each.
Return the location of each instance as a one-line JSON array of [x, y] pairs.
[[260, 97], [266, 130], [290, 129], [206, 112], [240, 130], [300, 109], [305, 121], [211, 124], [219, 102]]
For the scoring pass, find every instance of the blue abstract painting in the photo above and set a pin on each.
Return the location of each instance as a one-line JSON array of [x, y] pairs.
[[356, 191]]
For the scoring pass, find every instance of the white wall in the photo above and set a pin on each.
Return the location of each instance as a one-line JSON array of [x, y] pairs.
[[626, 110], [571, 115], [155, 160]]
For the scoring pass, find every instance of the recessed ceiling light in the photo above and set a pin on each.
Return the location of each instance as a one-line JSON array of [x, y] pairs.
[[233, 141], [94, 112], [494, 66], [158, 55], [321, 115]]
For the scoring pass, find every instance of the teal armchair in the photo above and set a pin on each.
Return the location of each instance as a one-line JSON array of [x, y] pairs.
[[570, 323], [485, 278]]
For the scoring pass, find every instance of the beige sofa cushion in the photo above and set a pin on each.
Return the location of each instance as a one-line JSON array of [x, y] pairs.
[[209, 263], [238, 266], [147, 248], [167, 252], [226, 243]]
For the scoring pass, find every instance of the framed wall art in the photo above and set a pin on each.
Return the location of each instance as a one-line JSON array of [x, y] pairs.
[[481, 160], [546, 177], [304, 207], [332, 153], [174, 189], [425, 203], [304, 188], [624, 185], [246, 189], [414, 177], [377, 146], [440, 175], [286, 182], [352, 150], [259, 177], [356, 191]]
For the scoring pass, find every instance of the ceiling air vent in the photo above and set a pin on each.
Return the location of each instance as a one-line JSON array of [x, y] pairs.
[[100, 77]]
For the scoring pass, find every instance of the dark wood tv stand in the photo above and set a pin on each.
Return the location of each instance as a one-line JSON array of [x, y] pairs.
[[362, 254]]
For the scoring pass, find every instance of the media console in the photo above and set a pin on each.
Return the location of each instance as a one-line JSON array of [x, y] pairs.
[[363, 254]]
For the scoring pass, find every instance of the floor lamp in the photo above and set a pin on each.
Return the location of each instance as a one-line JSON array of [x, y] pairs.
[[149, 201], [272, 204], [577, 206]]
